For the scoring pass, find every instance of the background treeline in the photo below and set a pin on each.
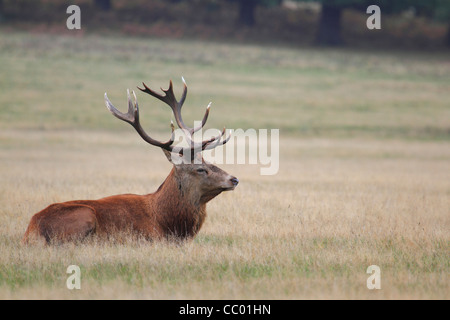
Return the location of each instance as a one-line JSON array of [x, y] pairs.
[[405, 23]]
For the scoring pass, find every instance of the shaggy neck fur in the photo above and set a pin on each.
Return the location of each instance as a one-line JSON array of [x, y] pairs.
[[181, 211]]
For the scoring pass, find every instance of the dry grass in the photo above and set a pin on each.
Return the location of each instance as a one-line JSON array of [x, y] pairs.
[[312, 234], [364, 169]]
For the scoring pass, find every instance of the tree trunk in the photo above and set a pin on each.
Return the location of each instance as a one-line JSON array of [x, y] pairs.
[[103, 4], [447, 38], [329, 33], [247, 12]]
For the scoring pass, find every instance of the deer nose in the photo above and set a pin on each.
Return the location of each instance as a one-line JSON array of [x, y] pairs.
[[234, 181]]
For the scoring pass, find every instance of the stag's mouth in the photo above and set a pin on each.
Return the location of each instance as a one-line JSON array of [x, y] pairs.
[[228, 188]]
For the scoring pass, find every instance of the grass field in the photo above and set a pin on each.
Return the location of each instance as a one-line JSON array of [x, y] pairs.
[[364, 173]]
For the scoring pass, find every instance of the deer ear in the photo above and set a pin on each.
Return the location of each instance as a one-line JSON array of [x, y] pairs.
[[168, 154], [174, 158]]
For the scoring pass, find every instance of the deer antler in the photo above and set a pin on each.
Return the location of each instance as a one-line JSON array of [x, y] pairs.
[[171, 101], [132, 117]]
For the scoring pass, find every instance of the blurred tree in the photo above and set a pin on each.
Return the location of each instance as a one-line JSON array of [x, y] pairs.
[[103, 4], [247, 12], [247, 9], [441, 12], [329, 30]]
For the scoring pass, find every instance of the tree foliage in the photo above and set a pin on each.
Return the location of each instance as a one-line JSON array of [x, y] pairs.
[[329, 31]]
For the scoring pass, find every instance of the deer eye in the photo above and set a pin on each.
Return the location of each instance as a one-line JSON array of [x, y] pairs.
[[202, 171]]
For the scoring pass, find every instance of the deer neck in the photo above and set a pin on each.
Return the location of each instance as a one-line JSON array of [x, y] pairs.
[[179, 209], [175, 190]]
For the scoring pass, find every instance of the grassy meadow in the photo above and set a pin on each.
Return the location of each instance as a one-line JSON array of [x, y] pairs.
[[364, 174]]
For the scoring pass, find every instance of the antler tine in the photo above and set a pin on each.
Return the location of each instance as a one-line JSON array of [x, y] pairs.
[[127, 117], [169, 99], [184, 94], [207, 142], [217, 141], [205, 118], [132, 117], [202, 145]]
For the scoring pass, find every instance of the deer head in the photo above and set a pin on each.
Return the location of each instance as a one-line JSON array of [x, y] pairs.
[[198, 180]]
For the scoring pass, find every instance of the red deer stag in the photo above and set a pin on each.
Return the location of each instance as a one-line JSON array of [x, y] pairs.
[[176, 210]]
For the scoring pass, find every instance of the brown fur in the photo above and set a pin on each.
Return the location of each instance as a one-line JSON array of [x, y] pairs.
[[176, 210]]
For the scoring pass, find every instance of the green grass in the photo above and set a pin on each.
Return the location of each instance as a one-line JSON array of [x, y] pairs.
[[57, 82], [364, 168]]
